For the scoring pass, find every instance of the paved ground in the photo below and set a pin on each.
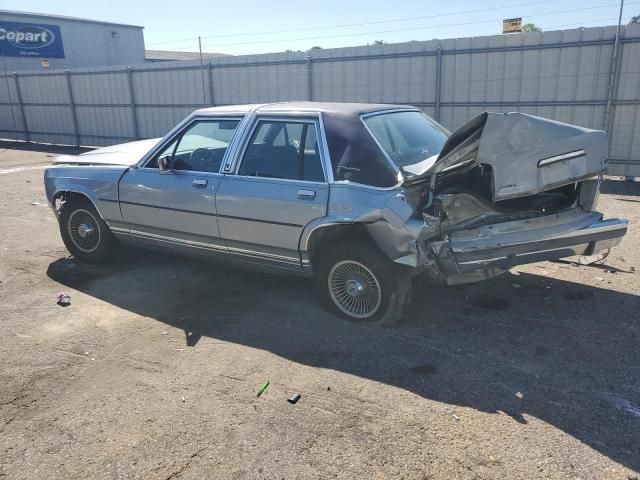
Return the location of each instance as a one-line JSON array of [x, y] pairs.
[[152, 372]]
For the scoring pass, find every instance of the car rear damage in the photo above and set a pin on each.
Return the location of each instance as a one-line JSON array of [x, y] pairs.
[[506, 189]]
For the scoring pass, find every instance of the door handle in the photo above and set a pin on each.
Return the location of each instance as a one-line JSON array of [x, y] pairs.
[[306, 194], [200, 183]]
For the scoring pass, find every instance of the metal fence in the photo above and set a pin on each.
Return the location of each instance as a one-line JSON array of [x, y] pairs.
[[567, 75]]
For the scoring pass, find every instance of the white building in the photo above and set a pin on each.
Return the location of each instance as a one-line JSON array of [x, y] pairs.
[[33, 41]]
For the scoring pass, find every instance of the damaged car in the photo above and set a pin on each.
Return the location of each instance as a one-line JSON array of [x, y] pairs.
[[360, 197]]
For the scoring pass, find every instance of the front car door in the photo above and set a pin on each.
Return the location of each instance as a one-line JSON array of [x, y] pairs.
[[278, 186], [177, 208]]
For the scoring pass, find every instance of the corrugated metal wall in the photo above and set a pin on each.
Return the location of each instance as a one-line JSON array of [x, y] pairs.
[[564, 75]]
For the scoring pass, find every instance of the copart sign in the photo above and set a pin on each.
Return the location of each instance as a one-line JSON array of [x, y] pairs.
[[30, 40]]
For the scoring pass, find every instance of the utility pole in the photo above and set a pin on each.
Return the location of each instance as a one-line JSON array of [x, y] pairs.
[[204, 95], [612, 78]]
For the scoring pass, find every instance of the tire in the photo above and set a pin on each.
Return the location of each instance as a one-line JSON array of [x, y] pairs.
[[85, 233], [357, 282]]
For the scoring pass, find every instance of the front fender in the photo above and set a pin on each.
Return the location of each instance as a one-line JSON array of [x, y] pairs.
[[98, 184]]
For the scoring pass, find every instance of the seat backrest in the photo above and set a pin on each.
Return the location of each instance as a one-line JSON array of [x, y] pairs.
[[264, 160]]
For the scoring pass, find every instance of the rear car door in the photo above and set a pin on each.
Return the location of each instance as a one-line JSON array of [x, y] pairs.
[[278, 187], [177, 207]]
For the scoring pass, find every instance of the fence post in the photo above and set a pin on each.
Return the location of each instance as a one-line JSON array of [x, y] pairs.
[[309, 79], [211, 95], [27, 137], [132, 97], [438, 82], [72, 103]]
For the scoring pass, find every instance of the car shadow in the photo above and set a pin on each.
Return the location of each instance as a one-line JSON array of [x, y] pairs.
[[529, 346], [620, 187]]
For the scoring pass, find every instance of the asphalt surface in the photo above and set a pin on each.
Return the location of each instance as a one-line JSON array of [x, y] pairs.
[[153, 370]]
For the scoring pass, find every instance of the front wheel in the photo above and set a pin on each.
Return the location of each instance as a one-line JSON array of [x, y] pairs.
[[359, 283], [84, 233]]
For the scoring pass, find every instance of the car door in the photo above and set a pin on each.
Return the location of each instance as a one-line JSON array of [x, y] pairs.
[[278, 187], [176, 207]]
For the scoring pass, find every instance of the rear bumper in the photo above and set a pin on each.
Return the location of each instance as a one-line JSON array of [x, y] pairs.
[[503, 250]]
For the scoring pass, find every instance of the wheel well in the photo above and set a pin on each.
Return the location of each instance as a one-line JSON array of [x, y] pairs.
[[68, 196], [325, 237]]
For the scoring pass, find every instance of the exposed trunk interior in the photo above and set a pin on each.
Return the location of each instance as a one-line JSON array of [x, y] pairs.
[[503, 167], [477, 181], [463, 198]]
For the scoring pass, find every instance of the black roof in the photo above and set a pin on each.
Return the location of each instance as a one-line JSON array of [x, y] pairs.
[[354, 154], [335, 108]]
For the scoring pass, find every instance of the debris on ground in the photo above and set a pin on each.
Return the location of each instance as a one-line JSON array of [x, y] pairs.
[[516, 285], [64, 300], [456, 417], [183, 400], [599, 279], [591, 259], [262, 389], [294, 399]]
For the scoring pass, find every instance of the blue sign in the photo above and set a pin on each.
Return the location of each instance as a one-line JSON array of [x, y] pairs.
[[30, 40]]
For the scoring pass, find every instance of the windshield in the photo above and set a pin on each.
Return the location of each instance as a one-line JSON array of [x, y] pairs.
[[406, 137]]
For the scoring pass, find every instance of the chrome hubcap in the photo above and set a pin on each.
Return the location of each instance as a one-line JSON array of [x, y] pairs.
[[354, 289], [83, 230]]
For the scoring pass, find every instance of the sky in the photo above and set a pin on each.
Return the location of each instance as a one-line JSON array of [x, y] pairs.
[[260, 26]]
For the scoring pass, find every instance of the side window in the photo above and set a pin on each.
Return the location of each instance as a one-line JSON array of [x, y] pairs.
[[200, 147], [279, 149]]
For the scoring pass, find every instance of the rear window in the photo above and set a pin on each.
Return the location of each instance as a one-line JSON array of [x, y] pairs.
[[406, 137]]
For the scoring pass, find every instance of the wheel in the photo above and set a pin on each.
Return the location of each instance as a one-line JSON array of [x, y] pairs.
[[85, 233], [359, 283]]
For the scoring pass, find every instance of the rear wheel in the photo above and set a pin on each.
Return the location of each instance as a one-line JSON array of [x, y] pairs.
[[359, 283], [85, 233]]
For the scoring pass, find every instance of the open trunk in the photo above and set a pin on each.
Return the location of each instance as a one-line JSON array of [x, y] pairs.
[[508, 189], [524, 154]]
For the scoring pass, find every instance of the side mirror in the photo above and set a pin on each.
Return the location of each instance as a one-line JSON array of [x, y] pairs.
[[164, 164]]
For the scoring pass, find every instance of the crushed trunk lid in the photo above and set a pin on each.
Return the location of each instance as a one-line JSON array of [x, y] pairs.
[[527, 154]]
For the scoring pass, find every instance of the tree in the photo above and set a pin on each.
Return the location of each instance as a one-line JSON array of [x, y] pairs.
[[530, 27], [315, 48], [635, 19], [378, 42]]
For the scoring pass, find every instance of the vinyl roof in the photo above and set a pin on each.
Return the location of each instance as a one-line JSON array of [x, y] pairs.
[[346, 109], [353, 152]]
